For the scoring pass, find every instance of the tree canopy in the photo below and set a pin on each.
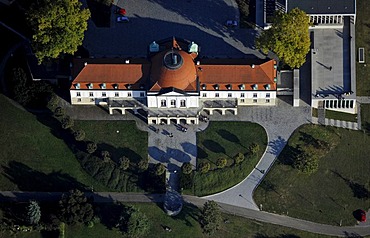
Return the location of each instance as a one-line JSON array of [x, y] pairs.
[[58, 27], [75, 208], [288, 37], [211, 217]]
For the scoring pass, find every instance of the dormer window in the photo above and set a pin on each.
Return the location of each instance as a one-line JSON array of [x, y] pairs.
[[90, 86], [229, 87], [128, 86], [242, 86], [103, 86], [77, 86], [255, 86], [216, 86], [275, 79], [115, 86], [204, 86], [267, 86]]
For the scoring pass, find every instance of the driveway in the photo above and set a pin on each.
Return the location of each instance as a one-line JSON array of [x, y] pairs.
[[150, 20]]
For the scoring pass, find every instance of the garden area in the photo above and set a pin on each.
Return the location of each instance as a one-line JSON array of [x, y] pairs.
[[362, 40], [365, 117], [321, 175], [227, 153]]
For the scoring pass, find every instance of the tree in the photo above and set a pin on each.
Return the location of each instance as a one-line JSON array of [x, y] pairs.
[[306, 163], [58, 27], [211, 217], [239, 157], [124, 163], [143, 164], [79, 135], [204, 167], [105, 156], [33, 213], [221, 163], [160, 169], [133, 222], [254, 148], [288, 37], [91, 147], [186, 168], [59, 112], [67, 122], [75, 208]]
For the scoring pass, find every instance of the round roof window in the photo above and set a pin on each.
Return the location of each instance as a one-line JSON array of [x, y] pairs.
[[172, 60]]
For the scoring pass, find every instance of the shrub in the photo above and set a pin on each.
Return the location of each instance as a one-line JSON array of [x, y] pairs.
[[221, 163], [59, 112], [124, 163], [254, 148], [211, 217], [186, 168], [239, 158], [204, 167], [186, 181], [91, 147], [306, 163], [159, 169], [105, 156], [79, 135], [143, 164], [67, 122]]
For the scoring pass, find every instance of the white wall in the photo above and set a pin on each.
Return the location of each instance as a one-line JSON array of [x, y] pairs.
[[85, 97], [190, 101]]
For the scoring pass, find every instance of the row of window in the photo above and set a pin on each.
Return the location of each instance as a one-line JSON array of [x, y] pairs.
[[255, 100], [104, 94], [173, 103], [229, 95]]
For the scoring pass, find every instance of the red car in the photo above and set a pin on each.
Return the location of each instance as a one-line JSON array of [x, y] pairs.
[[362, 216]]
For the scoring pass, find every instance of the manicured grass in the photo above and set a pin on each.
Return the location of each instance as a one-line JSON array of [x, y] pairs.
[[315, 112], [186, 225], [362, 40], [225, 140], [340, 116], [331, 195], [129, 141], [365, 117], [33, 155]]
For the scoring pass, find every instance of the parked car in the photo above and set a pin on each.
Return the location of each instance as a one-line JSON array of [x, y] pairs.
[[122, 19], [362, 216], [231, 23]]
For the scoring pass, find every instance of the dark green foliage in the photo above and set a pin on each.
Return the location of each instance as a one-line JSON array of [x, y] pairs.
[[159, 169], [186, 168], [221, 163], [254, 148], [306, 162], [79, 135], [133, 222], [67, 122], [239, 158], [92, 165], [105, 172], [204, 167], [124, 163], [143, 164], [186, 181], [33, 213], [211, 217], [105, 155], [91, 147], [75, 208], [59, 112]]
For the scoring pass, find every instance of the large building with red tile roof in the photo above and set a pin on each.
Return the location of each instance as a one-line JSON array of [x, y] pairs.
[[174, 83]]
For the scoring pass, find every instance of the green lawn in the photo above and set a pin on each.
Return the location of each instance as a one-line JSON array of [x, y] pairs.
[[226, 139], [186, 225], [340, 186], [33, 157], [362, 40], [365, 117], [130, 141], [340, 116]]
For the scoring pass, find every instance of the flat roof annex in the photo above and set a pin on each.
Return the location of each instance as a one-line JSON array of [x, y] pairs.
[[323, 6]]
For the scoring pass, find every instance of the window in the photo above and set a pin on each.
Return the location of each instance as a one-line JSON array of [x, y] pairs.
[[92, 99], [78, 99], [129, 94], [103, 94], [229, 95], [241, 100], [78, 94], [267, 100], [242, 95], [204, 95], [142, 94], [267, 95], [116, 94], [254, 100], [163, 103], [182, 103], [217, 95], [91, 94], [173, 103], [254, 95]]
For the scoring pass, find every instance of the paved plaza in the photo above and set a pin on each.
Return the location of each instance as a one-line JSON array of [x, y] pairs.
[[200, 21]]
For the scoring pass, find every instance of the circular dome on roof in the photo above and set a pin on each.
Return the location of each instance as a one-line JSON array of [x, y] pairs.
[[173, 68]]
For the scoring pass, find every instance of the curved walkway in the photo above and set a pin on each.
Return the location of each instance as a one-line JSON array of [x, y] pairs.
[[103, 197], [279, 123]]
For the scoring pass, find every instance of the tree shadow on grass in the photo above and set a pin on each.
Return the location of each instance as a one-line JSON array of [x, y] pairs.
[[201, 154], [214, 146], [28, 179], [288, 155], [359, 190], [188, 210], [228, 136], [119, 152]]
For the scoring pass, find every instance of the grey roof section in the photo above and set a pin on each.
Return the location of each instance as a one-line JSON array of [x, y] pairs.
[[324, 6]]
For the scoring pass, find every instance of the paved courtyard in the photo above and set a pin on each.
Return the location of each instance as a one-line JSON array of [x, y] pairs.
[[198, 21]]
